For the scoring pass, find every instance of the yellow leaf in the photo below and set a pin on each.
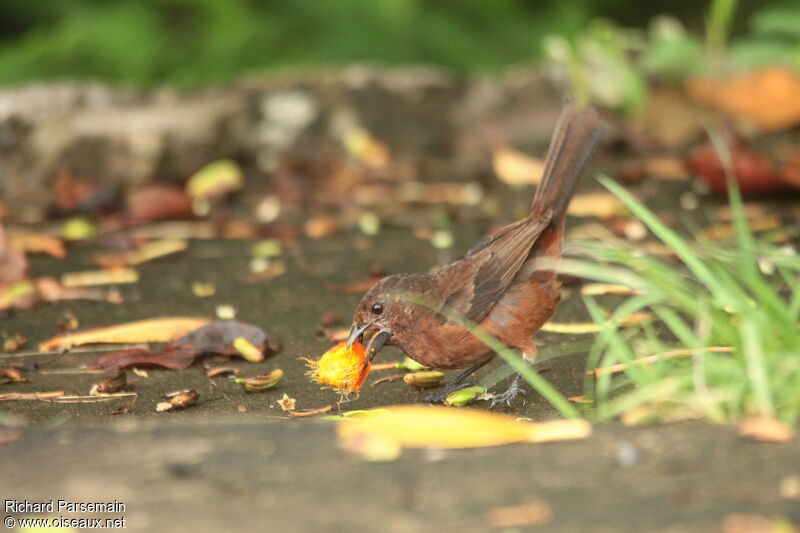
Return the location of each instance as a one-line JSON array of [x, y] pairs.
[[92, 278], [595, 204], [515, 167], [153, 330], [416, 426], [214, 179]]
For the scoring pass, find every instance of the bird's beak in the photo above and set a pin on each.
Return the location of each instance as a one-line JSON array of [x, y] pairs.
[[356, 333], [377, 341]]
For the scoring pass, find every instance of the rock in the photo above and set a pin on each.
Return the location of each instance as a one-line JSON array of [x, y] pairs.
[[120, 137]]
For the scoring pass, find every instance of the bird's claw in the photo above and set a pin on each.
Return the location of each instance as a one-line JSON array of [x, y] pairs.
[[510, 394]]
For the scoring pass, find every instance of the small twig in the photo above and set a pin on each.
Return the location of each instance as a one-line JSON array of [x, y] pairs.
[[300, 413], [82, 351], [388, 379], [650, 359], [44, 396], [94, 398]]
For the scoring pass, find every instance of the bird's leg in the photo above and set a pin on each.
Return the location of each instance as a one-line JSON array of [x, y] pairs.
[[515, 388], [457, 383]]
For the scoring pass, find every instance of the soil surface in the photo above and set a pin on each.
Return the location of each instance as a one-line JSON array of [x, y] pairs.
[[236, 461]]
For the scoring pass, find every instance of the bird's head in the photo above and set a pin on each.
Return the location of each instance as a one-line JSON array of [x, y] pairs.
[[382, 310]]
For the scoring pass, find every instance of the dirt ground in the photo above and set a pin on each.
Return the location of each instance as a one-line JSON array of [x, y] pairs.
[[234, 461]]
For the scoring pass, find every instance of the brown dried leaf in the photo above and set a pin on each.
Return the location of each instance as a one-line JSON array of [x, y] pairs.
[[14, 342], [159, 202], [215, 337], [516, 168], [13, 374], [322, 226], [152, 330], [31, 242]]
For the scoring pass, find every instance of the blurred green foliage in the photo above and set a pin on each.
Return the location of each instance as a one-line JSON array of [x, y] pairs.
[[200, 41], [197, 42]]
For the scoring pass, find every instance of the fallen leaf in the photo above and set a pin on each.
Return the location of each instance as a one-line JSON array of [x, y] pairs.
[[766, 97], [14, 342], [415, 426], [595, 204], [216, 337], [755, 172], [171, 358], [13, 374], [661, 167], [148, 252], [50, 290], [529, 514], [159, 202], [92, 278], [320, 227], [765, 429], [516, 168], [727, 231], [215, 179], [164, 329], [20, 295], [31, 242]]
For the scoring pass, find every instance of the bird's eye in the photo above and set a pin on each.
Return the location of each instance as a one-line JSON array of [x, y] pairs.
[[376, 309]]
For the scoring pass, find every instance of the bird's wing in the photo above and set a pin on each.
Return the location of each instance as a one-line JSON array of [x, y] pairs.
[[487, 270]]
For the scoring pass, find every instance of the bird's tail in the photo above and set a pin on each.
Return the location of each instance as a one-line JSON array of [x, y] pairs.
[[576, 137]]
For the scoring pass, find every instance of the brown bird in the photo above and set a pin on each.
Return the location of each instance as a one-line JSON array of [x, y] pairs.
[[506, 283]]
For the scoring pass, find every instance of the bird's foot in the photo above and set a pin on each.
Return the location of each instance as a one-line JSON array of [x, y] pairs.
[[510, 394], [449, 388]]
